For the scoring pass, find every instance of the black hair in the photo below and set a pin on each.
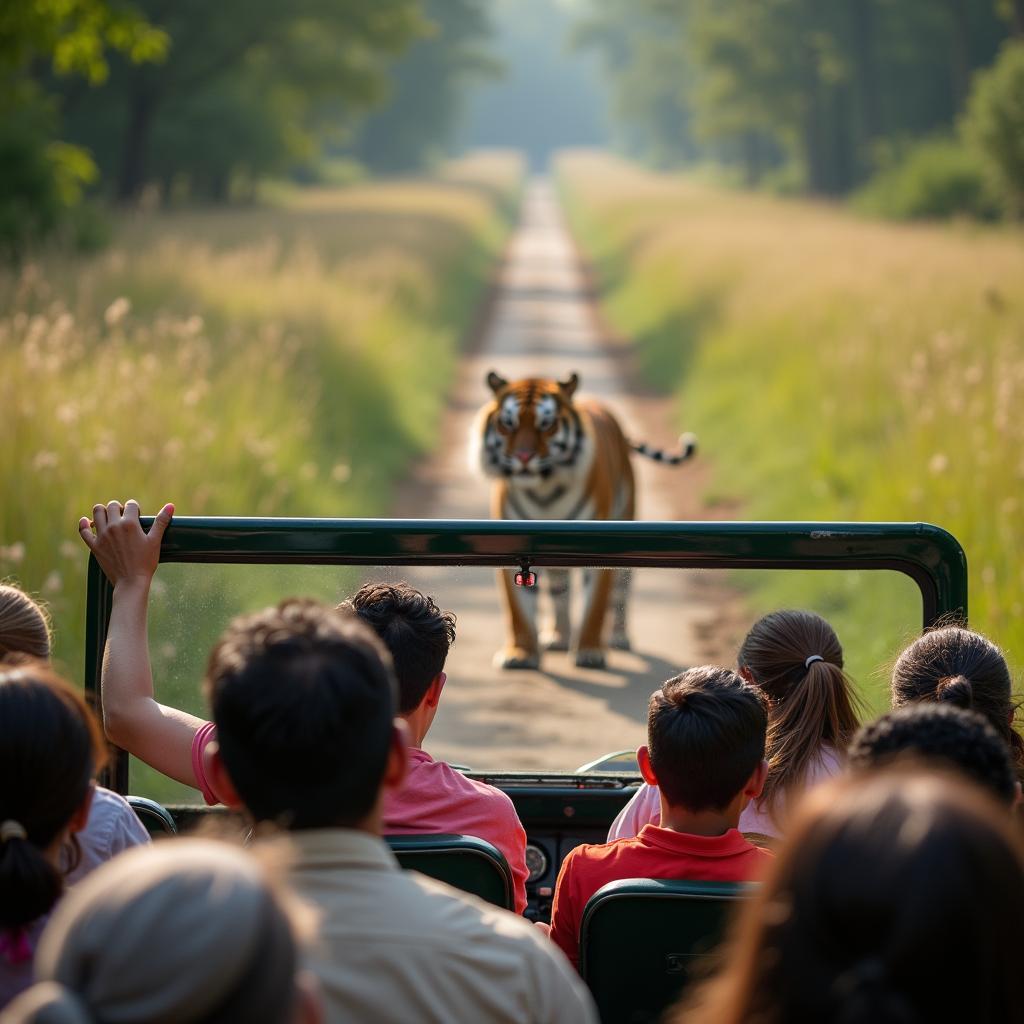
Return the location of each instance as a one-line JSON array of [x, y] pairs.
[[706, 736], [303, 698], [415, 631], [50, 748], [951, 736], [955, 665]]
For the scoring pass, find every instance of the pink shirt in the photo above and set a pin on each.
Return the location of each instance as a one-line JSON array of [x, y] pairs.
[[434, 799], [645, 807]]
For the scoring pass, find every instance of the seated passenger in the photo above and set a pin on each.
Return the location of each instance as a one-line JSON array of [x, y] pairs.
[[188, 930], [50, 748], [895, 897], [705, 753], [940, 734], [112, 826], [434, 799], [797, 661], [958, 666], [304, 701]]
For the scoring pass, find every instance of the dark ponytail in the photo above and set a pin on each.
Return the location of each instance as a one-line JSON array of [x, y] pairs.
[[956, 665], [955, 690], [50, 748], [796, 659]]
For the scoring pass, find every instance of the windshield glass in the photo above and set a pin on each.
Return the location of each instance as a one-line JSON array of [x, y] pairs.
[[560, 716]]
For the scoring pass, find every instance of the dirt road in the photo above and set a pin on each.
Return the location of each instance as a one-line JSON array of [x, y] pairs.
[[543, 323]]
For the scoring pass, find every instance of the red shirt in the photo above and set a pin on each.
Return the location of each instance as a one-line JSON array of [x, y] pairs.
[[434, 798], [654, 853]]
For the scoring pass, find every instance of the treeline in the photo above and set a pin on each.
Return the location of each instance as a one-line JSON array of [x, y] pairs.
[[821, 96], [198, 100]]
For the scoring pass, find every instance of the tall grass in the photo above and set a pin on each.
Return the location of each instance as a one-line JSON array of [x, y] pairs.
[[289, 360], [834, 368]]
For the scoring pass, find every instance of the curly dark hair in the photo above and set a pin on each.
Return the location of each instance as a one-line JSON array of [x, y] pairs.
[[415, 631], [943, 733]]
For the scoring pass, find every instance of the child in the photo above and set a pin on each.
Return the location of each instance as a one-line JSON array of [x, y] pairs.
[[957, 666], [896, 896], [705, 749], [50, 748], [943, 735], [796, 659]]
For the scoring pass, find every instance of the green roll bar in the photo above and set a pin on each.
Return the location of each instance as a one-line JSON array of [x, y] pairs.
[[929, 555]]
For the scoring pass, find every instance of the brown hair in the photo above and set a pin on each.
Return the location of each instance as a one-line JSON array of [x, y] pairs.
[[956, 665], [795, 657], [877, 876], [50, 748], [24, 628], [705, 734]]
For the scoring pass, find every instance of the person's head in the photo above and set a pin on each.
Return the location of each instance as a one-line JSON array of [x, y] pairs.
[[415, 631], [187, 930], [705, 740], [954, 665], [50, 748], [949, 736], [895, 897], [796, 659], [24, 627], [303, 698]]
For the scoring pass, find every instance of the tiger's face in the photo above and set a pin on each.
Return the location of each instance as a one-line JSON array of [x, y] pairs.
[[530, 429]]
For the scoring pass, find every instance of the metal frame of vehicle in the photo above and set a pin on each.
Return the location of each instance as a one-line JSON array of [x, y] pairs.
[[929, 555]]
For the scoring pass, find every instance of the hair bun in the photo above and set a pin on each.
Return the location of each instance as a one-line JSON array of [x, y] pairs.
[[48, 1003], [955, 690]]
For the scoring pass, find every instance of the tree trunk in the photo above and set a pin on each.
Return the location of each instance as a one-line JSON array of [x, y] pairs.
[[134, 151], [1017, 18], [960, 53]]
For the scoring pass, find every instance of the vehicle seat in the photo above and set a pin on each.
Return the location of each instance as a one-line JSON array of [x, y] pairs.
[[464, 862], [154, 816], [642, 940]]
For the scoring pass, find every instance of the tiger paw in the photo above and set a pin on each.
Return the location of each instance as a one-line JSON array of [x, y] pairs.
[[620, 642], [590, 657], [552, 640], [516, 658]]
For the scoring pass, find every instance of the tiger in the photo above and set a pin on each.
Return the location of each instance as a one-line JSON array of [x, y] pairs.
[[553, 456]]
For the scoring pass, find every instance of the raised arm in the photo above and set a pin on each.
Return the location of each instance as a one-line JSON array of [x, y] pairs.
[[132, 718]]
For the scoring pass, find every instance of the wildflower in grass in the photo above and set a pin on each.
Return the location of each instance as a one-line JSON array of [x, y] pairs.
[[117, 311], [341, 472], [13, 554], [45, 460], [53, 583], [69, 549], [938, 463]]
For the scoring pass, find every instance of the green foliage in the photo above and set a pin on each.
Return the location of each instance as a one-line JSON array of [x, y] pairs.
[[765, 83], [995, 123], [937, 178], [416, 123]]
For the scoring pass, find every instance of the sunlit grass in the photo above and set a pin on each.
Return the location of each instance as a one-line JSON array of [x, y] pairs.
[[283, 360], [835, 368]]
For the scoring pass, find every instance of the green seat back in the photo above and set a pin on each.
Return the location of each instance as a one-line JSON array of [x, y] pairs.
[[642, 940], [464, 862], [154, 816]]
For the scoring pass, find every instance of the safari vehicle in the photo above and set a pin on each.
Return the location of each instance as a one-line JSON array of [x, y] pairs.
[[559, 808]]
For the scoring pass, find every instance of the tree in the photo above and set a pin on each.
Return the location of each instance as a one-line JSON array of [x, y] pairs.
[[231, 64], [417, 121]]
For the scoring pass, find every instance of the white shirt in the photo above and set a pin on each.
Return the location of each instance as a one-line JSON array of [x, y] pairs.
[[396, 947], [111, 828]]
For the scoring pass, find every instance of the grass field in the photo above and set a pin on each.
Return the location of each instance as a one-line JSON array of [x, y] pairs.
[[287, 359], [834, 368]]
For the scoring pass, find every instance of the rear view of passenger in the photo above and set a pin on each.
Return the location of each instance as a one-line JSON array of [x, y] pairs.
[[705, 749], [191, 931], [957, 666], [112, 825], [895, 898], [50, 748], [796, 659]]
